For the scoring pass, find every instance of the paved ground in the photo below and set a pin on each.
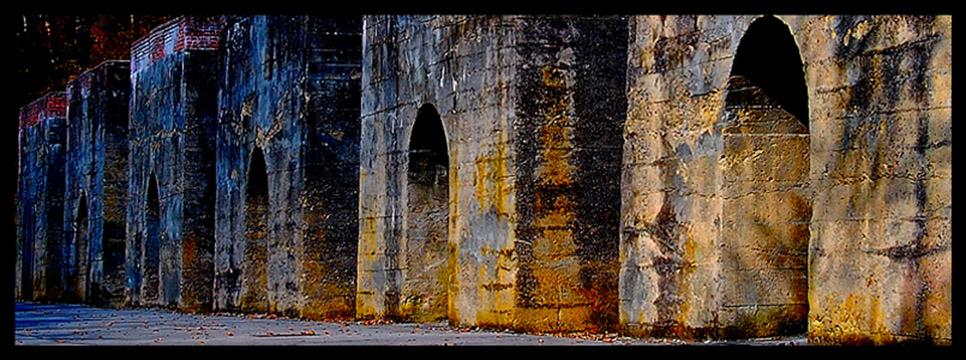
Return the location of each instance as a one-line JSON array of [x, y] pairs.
[[68, 324]]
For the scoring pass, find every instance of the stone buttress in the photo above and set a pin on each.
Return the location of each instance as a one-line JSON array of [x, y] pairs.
[[171, 208], [490, 162], [41, 255], [287, 166], [744, 214], [95, 201]]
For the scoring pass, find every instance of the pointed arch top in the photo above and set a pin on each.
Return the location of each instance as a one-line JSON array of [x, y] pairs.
[[82, 208], [769, 57], [257, 171], [153, 194], [428, 132]]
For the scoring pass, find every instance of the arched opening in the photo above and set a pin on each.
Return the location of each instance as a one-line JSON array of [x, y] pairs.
[[255, 268], [80, 240], [768, 58], [152, 245], [766, 200], [425, 267]]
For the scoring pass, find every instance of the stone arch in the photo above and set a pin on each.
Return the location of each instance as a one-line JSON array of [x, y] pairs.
[[425, 249], [151, 251], [769, 57], [255, 268], [81, 244], [766, 200]]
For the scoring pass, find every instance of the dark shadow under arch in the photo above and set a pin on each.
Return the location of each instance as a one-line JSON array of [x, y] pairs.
[[766, 202], [81, 244], [768, 57], [151, 254], [255, 269], [424, 296]]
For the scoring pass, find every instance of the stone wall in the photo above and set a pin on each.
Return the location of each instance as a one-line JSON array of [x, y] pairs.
[[173, 111], [880, 256], [708, 211], [288, 130], [95, 200], [665, 176], [529, 106], [40, 260], [568, 141]]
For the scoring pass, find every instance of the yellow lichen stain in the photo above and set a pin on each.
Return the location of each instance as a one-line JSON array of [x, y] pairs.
[[410, 307], [368, 257], [711, 108], [494, 318], [684, 310], [492, 190], [367, 239], [849, 322], [324, 300], [555, 169], [495, 292], [553, 77], [453, 311], [453, 234], [440, 305], [645, 56]]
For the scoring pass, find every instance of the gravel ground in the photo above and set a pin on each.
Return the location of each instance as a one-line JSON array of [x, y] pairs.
[[71, 324]]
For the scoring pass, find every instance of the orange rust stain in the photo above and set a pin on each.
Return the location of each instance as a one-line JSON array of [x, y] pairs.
[[189, 249], [563, 302], [189, 255]]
